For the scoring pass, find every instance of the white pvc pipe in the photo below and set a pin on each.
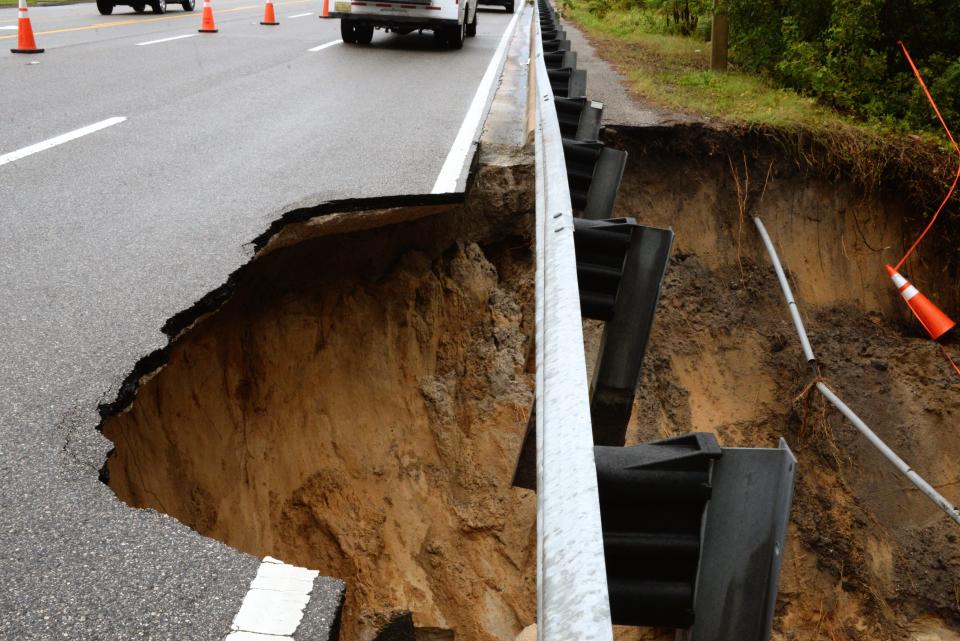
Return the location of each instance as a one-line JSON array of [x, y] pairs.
[[890, 455], [785, 286], [858, 423]]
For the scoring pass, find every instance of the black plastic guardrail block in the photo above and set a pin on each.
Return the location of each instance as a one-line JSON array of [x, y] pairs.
[[559, 59], [556, 45], [581, 160], [652, 502], [637, 552], [557, 33], [579, 118], [620, 267], [525, 471], [601, 248], [628, 305], [605, 184], [743, 541], [594, 172], [567, 82]]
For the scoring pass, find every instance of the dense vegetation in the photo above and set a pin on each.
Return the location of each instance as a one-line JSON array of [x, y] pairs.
[[843, 52]]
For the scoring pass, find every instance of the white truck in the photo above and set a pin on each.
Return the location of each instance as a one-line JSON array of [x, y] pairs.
[[450, 20]]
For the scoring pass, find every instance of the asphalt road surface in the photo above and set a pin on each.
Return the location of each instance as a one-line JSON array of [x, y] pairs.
[[105, 236]]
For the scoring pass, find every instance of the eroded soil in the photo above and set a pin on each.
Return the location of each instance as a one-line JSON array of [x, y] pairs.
[[356, 407], [868, 556], [357, 404]]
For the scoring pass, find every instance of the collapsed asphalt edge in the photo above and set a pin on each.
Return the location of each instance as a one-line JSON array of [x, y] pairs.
[[215, 298]]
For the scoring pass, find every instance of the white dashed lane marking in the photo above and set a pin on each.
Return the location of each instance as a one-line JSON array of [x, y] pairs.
[[273, 607], [59, 140], [324, 46], [153, 42]]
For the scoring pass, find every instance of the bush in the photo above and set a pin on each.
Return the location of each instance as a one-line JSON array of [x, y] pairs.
[[842, 52], [845, 52]]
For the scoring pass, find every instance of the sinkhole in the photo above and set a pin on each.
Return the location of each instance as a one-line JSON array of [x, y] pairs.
[[356, 406]]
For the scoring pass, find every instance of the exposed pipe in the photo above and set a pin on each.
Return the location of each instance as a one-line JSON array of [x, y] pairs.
[[787, 292], [844, 409], [891, 456]]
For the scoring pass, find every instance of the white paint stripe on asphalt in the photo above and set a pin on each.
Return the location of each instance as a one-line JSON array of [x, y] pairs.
[[329, 44], [59, 140], [273, 606], [449, 174], [251, 636], [153, 42], [12, 27], [300, 15]]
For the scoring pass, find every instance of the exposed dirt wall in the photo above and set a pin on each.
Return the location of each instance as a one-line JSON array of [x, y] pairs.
[[357, 403], [356, 406], [868, 556]]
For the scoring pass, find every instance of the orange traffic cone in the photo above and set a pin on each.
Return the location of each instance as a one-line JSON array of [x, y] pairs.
[[25, 41], [268, 17], [326, 9], [206, 21], [933, 320]]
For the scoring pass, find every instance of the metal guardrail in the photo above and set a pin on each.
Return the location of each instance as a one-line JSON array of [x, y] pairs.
[[572, 598]]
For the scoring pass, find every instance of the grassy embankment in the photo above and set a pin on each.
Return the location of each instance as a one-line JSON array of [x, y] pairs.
[[673, 72]]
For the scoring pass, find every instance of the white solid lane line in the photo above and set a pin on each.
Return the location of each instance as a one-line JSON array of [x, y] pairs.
[[449, 175], [153, 42], [329, 44], [274, 604], [59, 140], [300, 15], [324, 46], [12, 27]]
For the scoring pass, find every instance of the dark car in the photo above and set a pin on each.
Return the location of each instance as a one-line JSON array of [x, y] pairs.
[[159, 6]]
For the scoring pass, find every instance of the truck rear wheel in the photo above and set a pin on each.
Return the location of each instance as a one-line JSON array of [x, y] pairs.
[[356, 33], [347, 32], [364, 34], [472, 27], [105, 7], [454, 35]]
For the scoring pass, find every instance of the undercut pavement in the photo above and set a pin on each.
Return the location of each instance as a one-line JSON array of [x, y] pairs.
[[106, 237]]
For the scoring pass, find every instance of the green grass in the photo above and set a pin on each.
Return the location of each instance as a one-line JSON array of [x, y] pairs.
[[672, 71]]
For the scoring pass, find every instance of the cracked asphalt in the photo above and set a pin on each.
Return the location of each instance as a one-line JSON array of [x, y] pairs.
[[105, 237]]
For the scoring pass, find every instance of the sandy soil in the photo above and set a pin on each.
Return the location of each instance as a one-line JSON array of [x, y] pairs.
[[868, 556], [356, 407]]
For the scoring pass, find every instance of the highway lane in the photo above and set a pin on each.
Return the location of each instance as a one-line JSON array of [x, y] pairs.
[[79, 23], [104, 237]]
